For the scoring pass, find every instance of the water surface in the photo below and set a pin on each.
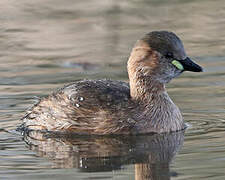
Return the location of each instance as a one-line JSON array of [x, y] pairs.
[[45, 44]]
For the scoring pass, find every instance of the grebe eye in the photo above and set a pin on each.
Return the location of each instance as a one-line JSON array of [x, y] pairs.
[[169, 55]]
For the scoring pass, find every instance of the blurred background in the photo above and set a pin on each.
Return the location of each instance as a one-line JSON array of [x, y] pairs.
[[45, 44]]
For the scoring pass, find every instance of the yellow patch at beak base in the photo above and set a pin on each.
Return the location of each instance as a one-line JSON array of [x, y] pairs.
[[178, 65]]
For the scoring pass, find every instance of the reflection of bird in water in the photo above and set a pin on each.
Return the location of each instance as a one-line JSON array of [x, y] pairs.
[[151, 154], [113, 107]]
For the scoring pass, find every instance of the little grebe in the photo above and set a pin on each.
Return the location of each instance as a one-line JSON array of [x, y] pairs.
[[114, 107]]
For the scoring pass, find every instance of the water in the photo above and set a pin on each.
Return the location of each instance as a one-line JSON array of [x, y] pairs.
[[46, 44]]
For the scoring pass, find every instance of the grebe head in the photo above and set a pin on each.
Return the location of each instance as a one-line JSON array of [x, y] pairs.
[[159, 55]]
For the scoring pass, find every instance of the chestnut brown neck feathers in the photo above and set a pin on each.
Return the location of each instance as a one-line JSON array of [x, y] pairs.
[[142, 66]]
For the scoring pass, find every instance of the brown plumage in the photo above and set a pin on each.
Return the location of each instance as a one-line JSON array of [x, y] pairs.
[[112, 107]]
